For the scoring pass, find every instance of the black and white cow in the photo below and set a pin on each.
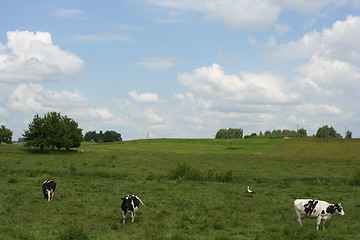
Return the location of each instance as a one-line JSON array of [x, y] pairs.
[[130, 204], [48, 188], [321, 210]]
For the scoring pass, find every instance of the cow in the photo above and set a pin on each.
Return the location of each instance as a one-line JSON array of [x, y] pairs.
[[130, 204], [321, 210], [48, 188]]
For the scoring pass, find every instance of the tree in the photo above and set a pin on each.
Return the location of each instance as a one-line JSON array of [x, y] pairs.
[[348, 134], [112, 136], [327, 132], [229, 133], [53, 130], [301, 133], [5, 135]]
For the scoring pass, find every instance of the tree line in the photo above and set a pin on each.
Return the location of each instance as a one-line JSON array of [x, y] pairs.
[[108, 136], [55, 131], [322, 132]]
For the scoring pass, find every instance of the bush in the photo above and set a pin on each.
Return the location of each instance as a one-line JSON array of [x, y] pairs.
[[185, 172]]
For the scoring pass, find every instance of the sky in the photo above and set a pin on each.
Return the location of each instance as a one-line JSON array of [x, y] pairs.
[[181, 68]]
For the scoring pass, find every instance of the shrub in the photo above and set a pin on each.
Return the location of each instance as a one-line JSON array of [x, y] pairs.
[[185, 172]]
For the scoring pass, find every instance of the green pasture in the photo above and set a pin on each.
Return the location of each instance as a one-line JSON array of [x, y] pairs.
[[208, 201]]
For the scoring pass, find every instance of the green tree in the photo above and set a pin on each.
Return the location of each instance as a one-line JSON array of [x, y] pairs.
[[327, 132], [5, 135], [348, 134], [301, 133], [53, 130], [112, 136], [229, 133]]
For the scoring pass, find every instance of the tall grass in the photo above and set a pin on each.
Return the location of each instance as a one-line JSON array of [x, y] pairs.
[[182, 189]]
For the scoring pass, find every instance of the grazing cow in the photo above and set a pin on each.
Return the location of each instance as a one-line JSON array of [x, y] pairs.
[[48, 188], [321, 210], [130, 204]]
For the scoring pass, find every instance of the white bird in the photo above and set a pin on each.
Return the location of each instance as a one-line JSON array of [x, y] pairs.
[[250, 191]]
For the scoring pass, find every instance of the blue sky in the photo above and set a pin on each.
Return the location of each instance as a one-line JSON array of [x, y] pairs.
[[181, 68]]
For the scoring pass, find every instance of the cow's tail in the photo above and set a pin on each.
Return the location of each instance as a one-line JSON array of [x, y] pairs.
[[140, 201]]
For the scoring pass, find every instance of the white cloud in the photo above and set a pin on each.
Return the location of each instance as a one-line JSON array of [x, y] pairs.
[[102, 113], [339, 42], [249, 14], [144, 97], [234, 14], [331, 74], [32, 56], [158, 63], [211, 82], [306, 6], [323, 110], [68, 13], [282, 29], [152, 116], [34, 98]]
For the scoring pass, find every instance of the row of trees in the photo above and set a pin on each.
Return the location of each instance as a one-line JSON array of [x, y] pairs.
[[108, 136], [322, 132]]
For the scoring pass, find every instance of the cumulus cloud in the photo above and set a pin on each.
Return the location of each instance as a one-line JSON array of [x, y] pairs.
[[34, 98], [212, 82], [339, 42], [158, 63], [323, 73], [30, 56]]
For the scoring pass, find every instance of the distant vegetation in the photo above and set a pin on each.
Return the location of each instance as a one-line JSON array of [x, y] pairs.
[[108, 136], [323, 132]]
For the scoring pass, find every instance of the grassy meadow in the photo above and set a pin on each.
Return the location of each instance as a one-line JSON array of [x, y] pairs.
[[192, 189]]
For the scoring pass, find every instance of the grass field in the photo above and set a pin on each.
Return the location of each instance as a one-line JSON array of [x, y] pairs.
[[207, 201]]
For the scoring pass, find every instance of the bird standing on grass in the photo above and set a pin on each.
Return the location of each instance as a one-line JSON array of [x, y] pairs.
[[250, 191]]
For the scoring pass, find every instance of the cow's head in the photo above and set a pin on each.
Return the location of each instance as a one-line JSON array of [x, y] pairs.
[[126, 202], [339, 209]]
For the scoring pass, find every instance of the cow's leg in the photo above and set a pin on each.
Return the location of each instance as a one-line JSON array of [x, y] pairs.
[[48, 194], [324, 225], [124, 216], [298, 216], [52, 195], [132, 216], [318, 221]]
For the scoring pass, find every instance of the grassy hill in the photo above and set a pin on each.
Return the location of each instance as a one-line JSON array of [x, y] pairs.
[[192, 189]]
